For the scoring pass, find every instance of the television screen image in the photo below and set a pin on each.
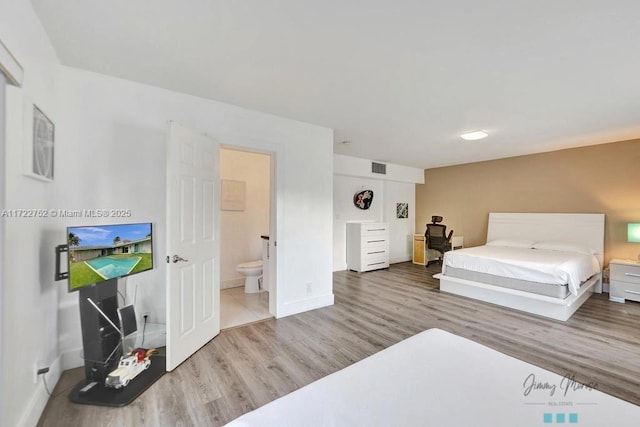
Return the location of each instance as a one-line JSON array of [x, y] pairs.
[[104, 252]]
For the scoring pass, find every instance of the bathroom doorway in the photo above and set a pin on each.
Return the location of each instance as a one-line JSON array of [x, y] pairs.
[[245, 229]]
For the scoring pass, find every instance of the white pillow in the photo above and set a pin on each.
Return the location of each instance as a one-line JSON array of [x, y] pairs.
[[565, 247], [512, 243]]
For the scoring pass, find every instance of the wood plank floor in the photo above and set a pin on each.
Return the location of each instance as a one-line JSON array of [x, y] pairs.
[[246, 367]]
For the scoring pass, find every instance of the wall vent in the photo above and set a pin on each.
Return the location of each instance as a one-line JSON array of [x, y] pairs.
[[380, 168]]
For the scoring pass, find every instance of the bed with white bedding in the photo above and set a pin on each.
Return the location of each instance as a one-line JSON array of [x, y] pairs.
[[546, 264], [560, 268], [436, 378]]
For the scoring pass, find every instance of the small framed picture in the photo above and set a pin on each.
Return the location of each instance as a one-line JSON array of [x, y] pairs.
[[402, 210], [42, 145], [233, 194]]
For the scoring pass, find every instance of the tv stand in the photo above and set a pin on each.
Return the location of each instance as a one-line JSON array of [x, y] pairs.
[[101, 340]]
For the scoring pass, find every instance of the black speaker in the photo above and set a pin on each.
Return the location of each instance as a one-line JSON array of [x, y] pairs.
[[127, 317]]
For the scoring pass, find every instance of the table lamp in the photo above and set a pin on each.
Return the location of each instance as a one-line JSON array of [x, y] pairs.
[[633, 234]]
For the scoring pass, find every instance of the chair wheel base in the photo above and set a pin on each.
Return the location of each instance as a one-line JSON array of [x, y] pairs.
[[435, 261]]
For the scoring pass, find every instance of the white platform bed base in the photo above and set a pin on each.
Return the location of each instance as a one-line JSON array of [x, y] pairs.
[[582, 229], [554, 308]]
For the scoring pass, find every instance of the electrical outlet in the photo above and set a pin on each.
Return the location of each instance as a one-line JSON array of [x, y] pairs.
[[146, 317], [38, 371]]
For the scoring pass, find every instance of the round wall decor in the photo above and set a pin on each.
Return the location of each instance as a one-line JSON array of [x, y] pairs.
[[363, 199]]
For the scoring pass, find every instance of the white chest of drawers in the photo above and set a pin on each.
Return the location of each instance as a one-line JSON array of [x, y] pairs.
[[624, 280], [367, 246]]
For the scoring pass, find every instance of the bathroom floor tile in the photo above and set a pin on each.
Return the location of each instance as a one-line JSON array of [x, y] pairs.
[[226, 298], [237, 291], [238, 308]]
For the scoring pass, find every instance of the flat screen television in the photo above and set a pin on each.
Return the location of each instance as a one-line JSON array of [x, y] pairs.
[[99, 253]]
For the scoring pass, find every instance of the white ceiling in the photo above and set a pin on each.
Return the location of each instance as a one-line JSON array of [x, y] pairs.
[[399, 79]]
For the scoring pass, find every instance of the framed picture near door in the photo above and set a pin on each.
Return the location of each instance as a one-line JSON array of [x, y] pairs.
[[42, 145], [232, 196]]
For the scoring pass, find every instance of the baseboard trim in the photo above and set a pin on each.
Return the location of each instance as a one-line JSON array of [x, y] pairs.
[[39, 399], [72, 358], [393, 260], [301, 306], [232, 283]]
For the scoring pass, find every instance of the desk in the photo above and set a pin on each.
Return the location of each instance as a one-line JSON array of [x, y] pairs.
[[421, 254]]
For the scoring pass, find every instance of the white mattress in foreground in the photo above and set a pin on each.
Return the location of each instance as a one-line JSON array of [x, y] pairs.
[[438, 379], [535, 265]]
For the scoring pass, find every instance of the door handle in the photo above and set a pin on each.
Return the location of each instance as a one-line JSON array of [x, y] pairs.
[[176, 258]]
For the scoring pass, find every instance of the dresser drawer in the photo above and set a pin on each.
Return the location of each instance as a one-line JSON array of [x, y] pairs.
[[625, 273], [374, 229], [374, 241], [375, 263], [378, 252], [625, 290]]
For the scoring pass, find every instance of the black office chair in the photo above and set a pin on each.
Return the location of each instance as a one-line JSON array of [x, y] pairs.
[[437, 238]]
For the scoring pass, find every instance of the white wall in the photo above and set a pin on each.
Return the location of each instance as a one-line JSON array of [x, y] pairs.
[[356, 166], [29, 293], [240, 231], [401, 230], [344, 187], [118, 146], [352, 175], [110, 153]]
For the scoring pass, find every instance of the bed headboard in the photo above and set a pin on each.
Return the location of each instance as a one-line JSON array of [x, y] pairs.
[[581, 229]]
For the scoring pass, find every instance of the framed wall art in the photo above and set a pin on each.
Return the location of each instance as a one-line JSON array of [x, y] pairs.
[[363, 199], [42, 146], [232, 197], [402, 210]]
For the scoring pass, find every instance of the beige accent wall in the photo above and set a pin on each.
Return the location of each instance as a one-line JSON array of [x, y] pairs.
[[595, 179]]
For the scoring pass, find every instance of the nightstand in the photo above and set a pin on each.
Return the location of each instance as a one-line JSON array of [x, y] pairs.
[[457, 242], [624, 281]]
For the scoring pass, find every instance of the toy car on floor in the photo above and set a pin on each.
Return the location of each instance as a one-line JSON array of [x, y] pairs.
[[130, 366]]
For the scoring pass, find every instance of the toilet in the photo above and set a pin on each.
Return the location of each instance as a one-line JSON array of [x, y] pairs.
[[252, 270]]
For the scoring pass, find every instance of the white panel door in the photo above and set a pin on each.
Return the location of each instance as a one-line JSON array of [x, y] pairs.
[[193, 279]]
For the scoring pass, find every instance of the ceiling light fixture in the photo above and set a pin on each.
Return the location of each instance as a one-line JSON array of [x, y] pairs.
[[476, 134]]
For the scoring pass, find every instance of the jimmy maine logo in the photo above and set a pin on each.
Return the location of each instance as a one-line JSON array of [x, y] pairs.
[[562, 398]]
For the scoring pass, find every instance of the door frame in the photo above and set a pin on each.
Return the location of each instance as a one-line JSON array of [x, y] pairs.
[[275, 213], [3, 114], [11, 73]]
